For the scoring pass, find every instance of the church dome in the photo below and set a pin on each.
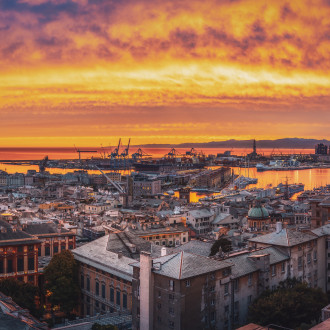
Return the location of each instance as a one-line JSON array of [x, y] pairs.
[[258, 212]]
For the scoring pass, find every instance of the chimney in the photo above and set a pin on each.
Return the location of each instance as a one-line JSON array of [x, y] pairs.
[[120, 254], [278, 227], [146, 292], [163, 251]]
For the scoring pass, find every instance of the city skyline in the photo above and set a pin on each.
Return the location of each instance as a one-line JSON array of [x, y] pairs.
[[88, 72]]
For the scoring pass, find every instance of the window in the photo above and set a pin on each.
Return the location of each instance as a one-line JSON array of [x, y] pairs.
[[103, 290], [20, 249], [171, 324], [47, 251], [88, 284], [82, 281], [315, 255], [103, 307], [212, 316], [159, 319], [187, 283], [159, 294], [112, 294], [283, 267], [171, 310], [236, 310], [171, 284], [249, 299], [171, 297], [212, 288], [226, 289], [97, 288], [159, 306], [299, 262], [236, 287], [118, 298], [55, 248], [1, 266], [309, 258], [39, 251], [97, 304], [212, 302], [20, 264], [250, 279], [31, 263], [124, 300], [273, 270]]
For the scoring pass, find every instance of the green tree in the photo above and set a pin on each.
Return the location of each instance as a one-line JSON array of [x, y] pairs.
[[23, 294], [291, 304], [61, 281], [224, 243]]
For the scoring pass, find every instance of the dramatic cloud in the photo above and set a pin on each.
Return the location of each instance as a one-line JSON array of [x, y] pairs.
[[181, 70]]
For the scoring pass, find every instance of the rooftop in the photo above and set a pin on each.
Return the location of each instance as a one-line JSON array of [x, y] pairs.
[[184, 265], [286, 237], [243, 265], [196, 247]]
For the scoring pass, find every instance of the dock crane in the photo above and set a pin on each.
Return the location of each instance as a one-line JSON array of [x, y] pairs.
[[80, 151], [115, 153], [173, 153], [125, 152], [139, 154]]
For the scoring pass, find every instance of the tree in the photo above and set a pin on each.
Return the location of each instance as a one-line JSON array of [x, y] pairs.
[[290, 305], [61, 281], [222, 243], [23, 294]]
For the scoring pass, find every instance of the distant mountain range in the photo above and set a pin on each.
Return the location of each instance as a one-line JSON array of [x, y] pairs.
[[287, 143]]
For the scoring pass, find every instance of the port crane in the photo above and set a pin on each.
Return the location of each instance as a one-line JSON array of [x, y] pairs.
[[173, 153], [125, 152], [115, 153], [139, 154], [79, 151]]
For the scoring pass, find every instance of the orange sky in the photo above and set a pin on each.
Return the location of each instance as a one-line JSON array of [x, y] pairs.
[[88, 72]]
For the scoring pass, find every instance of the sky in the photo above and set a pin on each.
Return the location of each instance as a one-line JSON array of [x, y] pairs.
[[87, 72]]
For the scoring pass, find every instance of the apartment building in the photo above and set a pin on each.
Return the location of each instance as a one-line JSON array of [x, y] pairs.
[[200, 220], [178, 291], [18, 254], [54, 238], [300, 246], [106, 272]]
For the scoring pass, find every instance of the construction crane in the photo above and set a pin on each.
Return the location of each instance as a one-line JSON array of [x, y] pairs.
[[139, 154], [125, 152], [119, 188], [80, 151], [115, 153]]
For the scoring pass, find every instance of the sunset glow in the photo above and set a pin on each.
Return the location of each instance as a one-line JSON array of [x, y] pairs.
[[88, 72]]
